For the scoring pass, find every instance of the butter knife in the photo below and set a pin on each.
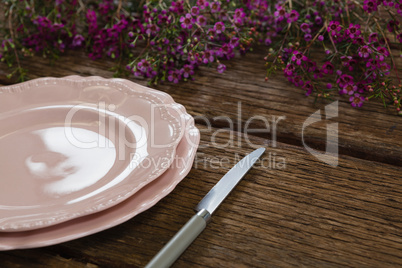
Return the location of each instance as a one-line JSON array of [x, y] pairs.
[[189, 232]]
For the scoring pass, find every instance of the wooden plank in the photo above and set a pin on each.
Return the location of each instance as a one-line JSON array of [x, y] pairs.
[[39, 258], [371, 133], [305, 214]]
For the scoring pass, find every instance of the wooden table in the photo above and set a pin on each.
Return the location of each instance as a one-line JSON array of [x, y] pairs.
[[306, 214]]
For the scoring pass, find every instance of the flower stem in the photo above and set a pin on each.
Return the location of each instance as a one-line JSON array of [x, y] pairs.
[[389, 50], [17, 58]]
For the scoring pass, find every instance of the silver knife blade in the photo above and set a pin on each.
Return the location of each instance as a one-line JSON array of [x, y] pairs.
[[176, 246], [228, 182]]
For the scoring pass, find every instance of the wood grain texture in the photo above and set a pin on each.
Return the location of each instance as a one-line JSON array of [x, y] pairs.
[[38, 258], [305, 213]]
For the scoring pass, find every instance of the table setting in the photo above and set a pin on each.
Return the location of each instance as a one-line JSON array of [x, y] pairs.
[[65, 201], [200, 134], [57, 200]]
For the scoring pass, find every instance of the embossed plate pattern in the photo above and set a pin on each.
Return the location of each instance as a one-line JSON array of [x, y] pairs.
[[73, 146], [145, 198]]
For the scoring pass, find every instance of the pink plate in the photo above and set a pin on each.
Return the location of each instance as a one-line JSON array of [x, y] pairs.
[[141, 201], [72, 146]]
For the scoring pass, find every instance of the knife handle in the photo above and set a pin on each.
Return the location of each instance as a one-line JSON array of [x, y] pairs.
[[176, 246]]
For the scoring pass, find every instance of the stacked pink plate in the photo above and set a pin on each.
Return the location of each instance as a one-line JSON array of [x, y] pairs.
[[80, 155]]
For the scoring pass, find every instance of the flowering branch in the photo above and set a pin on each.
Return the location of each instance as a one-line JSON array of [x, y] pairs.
[[166, 41]]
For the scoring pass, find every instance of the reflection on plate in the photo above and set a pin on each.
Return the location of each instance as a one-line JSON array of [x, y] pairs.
[[145, 198], [73, 146]]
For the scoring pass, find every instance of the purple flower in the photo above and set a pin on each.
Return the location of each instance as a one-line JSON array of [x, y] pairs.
[[187, 70], [318, 20], [399, 9], [77, 41], [164, 19], [305, 27], [289, 69], [177, 7], [92, 21], [174, 76], [356, 100], [287, 52], [221, 68], [215, 7], [186, 21], [297, 81], [308, 87], [392, 25], [353, 31], [280, 13], [311, 66], [105, 7], [327, 68], [226, 50], [348, 61], [292, 16], [239, 14], [383, 53], [345, 60], [202, 4], [152, 29], [334, 28], [349, 89], [195, 11], [223, 15], [201, 20], [388, 3], [120, 25], [364, 52], [372, 64], [43, 22], [344, 79], [320, 38], [399, 36], [219, 27], [384, 68], [298, 57], [307, 37], [359, 40], [370, 5], [329, 86], [373, 37], [234, 42], [208, 56], [144, 66]]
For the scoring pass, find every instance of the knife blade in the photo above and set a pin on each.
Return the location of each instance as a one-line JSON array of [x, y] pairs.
[[207, 206]]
